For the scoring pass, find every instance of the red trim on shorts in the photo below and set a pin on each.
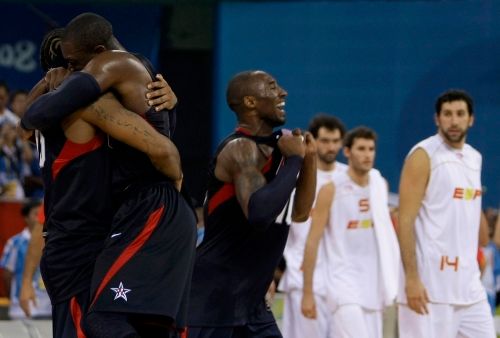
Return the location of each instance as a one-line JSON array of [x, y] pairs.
[[76, 315], [183, 332], [222, 195], [131, 249], [72, 150], [41, 214]]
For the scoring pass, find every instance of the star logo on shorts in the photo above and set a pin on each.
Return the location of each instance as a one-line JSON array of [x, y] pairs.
[[120, 292]]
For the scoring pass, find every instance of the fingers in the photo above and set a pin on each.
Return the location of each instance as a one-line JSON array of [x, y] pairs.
[[25, 306], [296, 132], [161, 83], [419, 305], [23, 133], [309, 312], [161, 95]]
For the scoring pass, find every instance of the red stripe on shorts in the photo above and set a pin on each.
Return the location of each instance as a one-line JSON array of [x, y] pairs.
[[76, 315], [131, 249]]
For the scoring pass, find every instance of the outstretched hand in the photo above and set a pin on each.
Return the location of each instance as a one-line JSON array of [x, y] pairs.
[[160, 95]]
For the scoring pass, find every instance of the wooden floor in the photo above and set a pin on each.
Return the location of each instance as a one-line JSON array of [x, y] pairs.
[[25, 328]]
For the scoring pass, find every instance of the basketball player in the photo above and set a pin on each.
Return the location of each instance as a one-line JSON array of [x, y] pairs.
[[328, 132], [439, 216], [345, 212], [130, 172], [252, 176]]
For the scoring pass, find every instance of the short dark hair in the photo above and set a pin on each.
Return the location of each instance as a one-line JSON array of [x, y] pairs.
[[326, 121], [89, 30], [51, 55], [454, 95], [28, 206], [359, 132], [3, 84], [16, 92]]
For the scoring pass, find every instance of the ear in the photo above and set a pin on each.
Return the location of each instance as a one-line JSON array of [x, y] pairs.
[[249, 101], [471, 121], [347, 152], [99, 49]]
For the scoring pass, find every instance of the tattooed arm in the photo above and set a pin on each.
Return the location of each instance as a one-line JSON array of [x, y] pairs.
[[112, 118]]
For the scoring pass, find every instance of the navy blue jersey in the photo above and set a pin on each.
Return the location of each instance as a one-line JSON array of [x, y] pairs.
[[235, 262], [77, 210]]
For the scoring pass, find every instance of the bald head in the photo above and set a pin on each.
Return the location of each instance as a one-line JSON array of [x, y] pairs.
[[247, 83], [89, 30]]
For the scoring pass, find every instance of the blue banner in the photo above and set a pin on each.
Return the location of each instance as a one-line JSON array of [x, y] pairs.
[[23, 26], [379, 63]]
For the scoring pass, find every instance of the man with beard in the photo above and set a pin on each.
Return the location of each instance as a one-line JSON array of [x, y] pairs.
[[361, 259], [439, 217], [328, 132], [251, 178]]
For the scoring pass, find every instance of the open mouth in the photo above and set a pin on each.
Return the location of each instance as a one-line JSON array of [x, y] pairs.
[[281, 106]]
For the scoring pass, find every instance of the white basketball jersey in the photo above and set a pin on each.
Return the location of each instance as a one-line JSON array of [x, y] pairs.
[[351, 248], [294, 251], [447, 225]]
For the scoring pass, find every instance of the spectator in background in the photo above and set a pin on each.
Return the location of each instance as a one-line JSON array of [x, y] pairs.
[[12, 263], [18, 102], [5, 114], [14, 154], [32, 180]]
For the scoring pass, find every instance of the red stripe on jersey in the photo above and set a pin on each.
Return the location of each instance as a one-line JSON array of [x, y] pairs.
[[225, 192], [131, 249], [76, 315], [268, 165], [72, 150], [243, 131], [183, 332]]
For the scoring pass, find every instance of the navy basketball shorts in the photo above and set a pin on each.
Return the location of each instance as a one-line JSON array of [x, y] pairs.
[[147, 262], [67, 316]]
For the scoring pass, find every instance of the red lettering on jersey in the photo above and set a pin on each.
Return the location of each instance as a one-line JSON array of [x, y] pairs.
[[364, 205], [477, 193], [459, 193], [352, 224], [445, 261]]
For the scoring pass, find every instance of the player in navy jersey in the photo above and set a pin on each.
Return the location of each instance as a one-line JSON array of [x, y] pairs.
[[152, 225], [246, 212], [77, 176]]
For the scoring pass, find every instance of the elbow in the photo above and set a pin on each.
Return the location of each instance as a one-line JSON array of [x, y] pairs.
[[300, 217], [167, 160]]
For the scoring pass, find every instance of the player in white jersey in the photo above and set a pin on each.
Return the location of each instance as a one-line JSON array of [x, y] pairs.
[[440, 204], [351, 215], [328, 132]]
